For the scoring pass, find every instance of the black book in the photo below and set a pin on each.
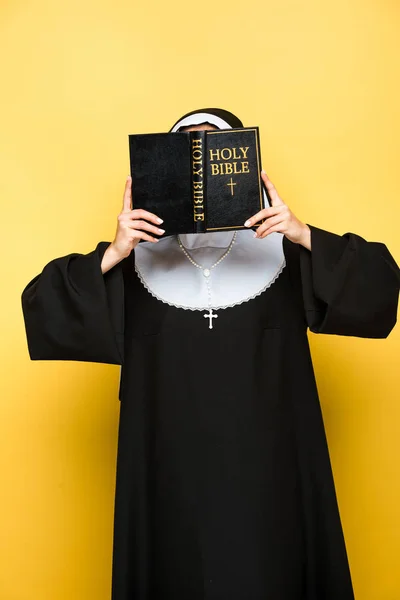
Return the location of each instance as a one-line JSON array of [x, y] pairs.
[[198, 181]]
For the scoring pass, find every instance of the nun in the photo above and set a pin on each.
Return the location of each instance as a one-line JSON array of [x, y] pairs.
[[224, 486]]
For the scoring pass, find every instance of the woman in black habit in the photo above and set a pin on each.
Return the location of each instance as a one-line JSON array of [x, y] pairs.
[[224, 485]]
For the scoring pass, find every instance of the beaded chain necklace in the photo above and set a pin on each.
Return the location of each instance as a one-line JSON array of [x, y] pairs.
[[207, 274]]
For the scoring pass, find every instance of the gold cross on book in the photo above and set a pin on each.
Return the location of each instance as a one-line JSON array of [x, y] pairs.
[[231, 184]]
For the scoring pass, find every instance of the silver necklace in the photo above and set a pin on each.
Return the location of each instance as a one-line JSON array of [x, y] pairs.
[[207, 274]]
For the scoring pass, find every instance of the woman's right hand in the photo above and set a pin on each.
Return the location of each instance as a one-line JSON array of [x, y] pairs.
[[133, 226]]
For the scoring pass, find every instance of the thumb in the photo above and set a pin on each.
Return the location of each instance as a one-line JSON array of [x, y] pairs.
[[127, 201], [273, 194]]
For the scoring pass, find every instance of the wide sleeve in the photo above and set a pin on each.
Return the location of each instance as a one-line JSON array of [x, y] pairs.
[[74, 312], [350, 286]]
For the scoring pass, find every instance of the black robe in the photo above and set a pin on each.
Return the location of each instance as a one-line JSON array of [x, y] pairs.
[[224, 483]]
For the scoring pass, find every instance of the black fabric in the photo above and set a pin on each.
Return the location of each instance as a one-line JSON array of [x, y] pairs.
[[224, 484], [342, 286], [72, 312], [227, 116]]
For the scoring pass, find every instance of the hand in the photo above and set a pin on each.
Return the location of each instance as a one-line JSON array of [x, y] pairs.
[[133, 226], [279, 217]]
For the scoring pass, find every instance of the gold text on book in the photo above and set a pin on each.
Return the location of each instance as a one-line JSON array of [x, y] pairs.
[[197, 180], [229, 153], [237, 163]]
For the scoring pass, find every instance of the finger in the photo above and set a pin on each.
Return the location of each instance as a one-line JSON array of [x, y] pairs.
[[268, 224], [139, 213], [141, 235], [127, 200], [144, 226], [265, 213], [280, 228], [273, 193]]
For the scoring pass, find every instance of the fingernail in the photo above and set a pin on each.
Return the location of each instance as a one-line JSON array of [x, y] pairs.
[[159, 221], [247, 224], [161, 230], [263, 172], [255, 235]]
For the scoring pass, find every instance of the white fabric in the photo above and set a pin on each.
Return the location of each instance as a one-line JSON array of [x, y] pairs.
[[220, 239], [199, 118], [249, 269]]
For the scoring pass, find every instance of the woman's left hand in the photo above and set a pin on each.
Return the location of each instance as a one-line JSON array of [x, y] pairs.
[[280, 218]]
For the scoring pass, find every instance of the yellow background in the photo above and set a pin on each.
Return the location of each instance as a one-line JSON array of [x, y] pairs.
[[322, 82]]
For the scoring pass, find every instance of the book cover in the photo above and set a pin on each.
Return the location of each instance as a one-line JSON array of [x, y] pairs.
[[198, 181]]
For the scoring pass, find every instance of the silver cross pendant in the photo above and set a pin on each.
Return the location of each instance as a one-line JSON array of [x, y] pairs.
[[210, 316]]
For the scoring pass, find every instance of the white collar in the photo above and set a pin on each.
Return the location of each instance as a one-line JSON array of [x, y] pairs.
[[249, 269], [198, 119], [219, 239]]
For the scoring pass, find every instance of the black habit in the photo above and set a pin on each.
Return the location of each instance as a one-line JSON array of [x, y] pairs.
[[224, 484]]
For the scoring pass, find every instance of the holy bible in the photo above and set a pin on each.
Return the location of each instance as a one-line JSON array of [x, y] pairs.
[[198, 181]]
